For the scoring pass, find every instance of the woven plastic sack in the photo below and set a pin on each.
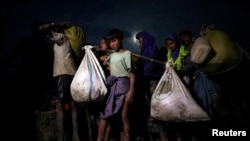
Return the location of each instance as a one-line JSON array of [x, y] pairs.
[[89, 82], [172, 101]]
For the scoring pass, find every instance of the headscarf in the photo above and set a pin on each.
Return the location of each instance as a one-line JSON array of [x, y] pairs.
[[149, 49], [174, 37]]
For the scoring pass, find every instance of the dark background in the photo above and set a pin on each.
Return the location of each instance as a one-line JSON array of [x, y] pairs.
[[26, 65], [97, 17]]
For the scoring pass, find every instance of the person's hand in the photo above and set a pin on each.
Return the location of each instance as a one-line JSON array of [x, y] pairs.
[[164, 65], [103, 57], [129, 97], [46, 26]]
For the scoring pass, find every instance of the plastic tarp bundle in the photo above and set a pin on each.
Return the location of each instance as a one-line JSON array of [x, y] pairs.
[[89, 82], [172, 101]]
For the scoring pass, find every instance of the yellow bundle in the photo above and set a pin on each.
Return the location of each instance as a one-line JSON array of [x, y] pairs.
[[226, 53], [76, 39]]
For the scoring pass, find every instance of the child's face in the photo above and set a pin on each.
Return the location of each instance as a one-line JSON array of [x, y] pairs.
[[115, 44], [103, 44]]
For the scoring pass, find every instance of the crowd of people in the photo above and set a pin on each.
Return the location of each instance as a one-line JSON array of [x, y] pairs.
[[131, 81]]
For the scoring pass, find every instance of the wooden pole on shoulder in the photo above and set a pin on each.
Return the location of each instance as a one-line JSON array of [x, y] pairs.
[[139, 56]]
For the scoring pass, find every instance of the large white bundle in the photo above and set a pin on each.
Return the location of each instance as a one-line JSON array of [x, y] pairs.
[[89, 82], [172, 101]]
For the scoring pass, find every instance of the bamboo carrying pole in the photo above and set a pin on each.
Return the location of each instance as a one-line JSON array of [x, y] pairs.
[[134, 54]]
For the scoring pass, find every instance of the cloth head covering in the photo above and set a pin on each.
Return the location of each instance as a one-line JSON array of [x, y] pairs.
[[149, 45], [174, 37], [149, 49]]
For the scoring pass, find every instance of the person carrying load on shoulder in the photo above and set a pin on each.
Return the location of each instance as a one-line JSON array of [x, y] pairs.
[[121, 84], [68, 40]]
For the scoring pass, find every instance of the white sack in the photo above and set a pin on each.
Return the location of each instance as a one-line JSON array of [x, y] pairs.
[[89, 82], [172, 101]]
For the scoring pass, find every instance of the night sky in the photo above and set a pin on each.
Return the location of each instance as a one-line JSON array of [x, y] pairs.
[[97, 17]]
